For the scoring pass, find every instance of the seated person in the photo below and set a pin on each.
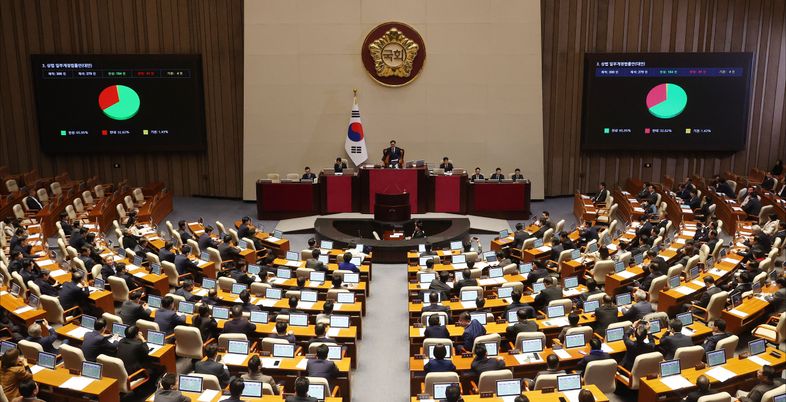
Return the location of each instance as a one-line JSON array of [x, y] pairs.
[[433, 304], [211, 366], [438, 363], [347, 265], [167, 318], [34, 332], [639, 308], [524, 324], [477, 175], [28, 392], [97, 342], [718, 333], [281, 333], [446, 165], [319, 334], [637, 346], [766, 382], [133, 350], [322, 367], [255, 374], [236, 387], [483, 363], [516, 304], [314, 262], [605, 314], [673, 340], [307, 174], [339, 166], [573, 322], [497, 175], [238, 324], [472, 330], [703, 389], [301, 391], [596, 353], [14, 371], [517, 176], [185, 291], [434, 329], [245, 301]]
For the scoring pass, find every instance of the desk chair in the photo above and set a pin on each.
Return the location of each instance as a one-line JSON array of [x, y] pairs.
[[223, 341], [188, 342], [56, 188], [129, 202], [122, 216], [170, 271], [545, 381], [119, 289], [303, 272], [16, 278], [194, 247], [215, 257], [515, 285], [488, 338], [567, 304], [324, 383], [24, 218], [233, 233], [87, 196], [34, 289], [601, 374], [689, 356], [55, 313], [719, 397], [622, 324], [601, 269], [692, 262], [258, 289], [437, 341], [729, 344], [434, 378], [29, 350], [586, 330], [521, 336], [177, 299], [559, 226], [312, 347], [645, 364], [43, 196], [80, 207], [548, 236], [209, 381], [714, 307], [99, 190], [111, 319], [11, 186], [658, 315], [770, 395], [488, 380], [72, 358], [225, 283], [657, 284], [145, 325], [424, 316], [114, 368], [221, 229], [775, 334], [675, 270], [596, 296], [95, 271], [293, 176], [138, 195], [606, 216]]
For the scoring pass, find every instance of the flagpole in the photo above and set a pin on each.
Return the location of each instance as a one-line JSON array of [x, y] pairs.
[[355, 96]]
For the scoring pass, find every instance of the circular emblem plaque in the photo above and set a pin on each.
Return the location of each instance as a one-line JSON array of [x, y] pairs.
[[393, 54]]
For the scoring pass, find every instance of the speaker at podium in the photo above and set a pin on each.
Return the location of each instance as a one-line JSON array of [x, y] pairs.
[[392, 207]]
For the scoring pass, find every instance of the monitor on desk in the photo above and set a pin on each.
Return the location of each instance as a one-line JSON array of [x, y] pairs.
[[259, 317], [685, 318], [298, 319], [204, 256], [88, 321], [456, 245], [555, 311], [189, 383], [155, 269], [638, 259], [510, 388], [623, 299], [5, 346], [674, 282], [693, 273], [317, 391], [283, 273], [339, 321], [99, 283], [591, 305], [716, 358], [254, 269], [422, 261], [91, 370], [537, 287], [185, 307], [15, 289], [316, 276], [208, 283], [756, 287], [480, 317], [492, 348], [308, 296], [334, 352], [273, 293], [525, 268], [426, 277], [448, 350], [490, 256], [351, 278], [119, 329], [654, 326], [619, 266], [440, 388], [669, 368], [220, 313], [286, 350], [505, 292], [614, 334], [238, 347], [293, 256], [469, 295], [496, 272], [571, 282], [538, 243], [323, 258], [356, 261], [504, 233], [757, 347], [532, 345], [138, 261], [252, 389], [568, 382], [779, 398], [154, 301], [575, 254], [592, 247], [421, 248], [238, 287], [33, 301], [156, 337], [574, 341], [47, 360], [241, 244], [278, 234], [458, 259], [326, 244], [345, 297]]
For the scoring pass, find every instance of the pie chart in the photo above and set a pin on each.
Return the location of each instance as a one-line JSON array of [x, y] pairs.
[[665, 101], [119, 102]]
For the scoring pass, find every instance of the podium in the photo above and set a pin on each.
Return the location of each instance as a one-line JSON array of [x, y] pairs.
[[392, 207], [338, 193], [393, 181]]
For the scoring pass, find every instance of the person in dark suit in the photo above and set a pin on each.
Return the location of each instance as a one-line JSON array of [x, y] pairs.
[[434, 329], [84, 255], [538, 271], [769, 182], [301, 391], [753, 205], [517, 305], [166, 253], [166, 317], [440, 284], [65, 224], [133, 350], [393, 156], [723, 187], [168, 391], [208, 327], [248, 230], [446, 166], [592, 289], [483, 363], [72, 294], [524, 324], [549, 293], [183, 264], [205, 240], [245, 301], [519, 236], [600, 197], [467, 279], [704, 301], [497, 175], [339, 166], [236, 387], [134, 309], [438, 364], [97, 342], [718, 333], [766, 381], [517, 176], [185, 291], [77, 239], [319, 331], [228, 250], [477, 175], [703, 389], [314, 262], [347, 264], [240, 274], [307, 174], [605, 314], [108, 268], [122, 273], [778, 298], [322, 367], [472, 330], [238, 324], [434, 305], [46, 284], [34, 334], [282, 333], [33, 204], [673, 340], [596, 353], [639, 309], [636, 346], [130, 240], [28, 272], [184, 231], [211, 366]]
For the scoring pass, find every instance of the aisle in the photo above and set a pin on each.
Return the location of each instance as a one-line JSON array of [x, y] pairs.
[[383, 368]]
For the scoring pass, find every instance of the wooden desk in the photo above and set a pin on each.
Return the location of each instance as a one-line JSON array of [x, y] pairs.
[[671, 300], [539, 396], [15, 305], [265, 398], [629, 207], [746, 315], [654, 390], [105, 390], [584, 209], [676, 210]]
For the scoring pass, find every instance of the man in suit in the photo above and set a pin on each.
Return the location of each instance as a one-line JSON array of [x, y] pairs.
[[673, 340], [282, 333], [439, 364], [96, 342], [314, 262], [47, 342], [237, 323], [519, 235], [122, 273], [467, 279], [322, 367], [517, 176], [605, 314], [694, 202], [433, 304], [319, 334], [418, 232], [307, 174], [483, 363], [134, 309], [166, 253], [46, 284], [393, 156], [718, 333], [107, 268], [211, 366], [347, 265], [339, 166], [84, 255], [472, 330], [639, 308], [723, 187], [168, 391], [245, 302], [130, 240], [183, 231], [544, 224], [248, 230], [524, 324], [477, 175], [446, 166], [301, 391], [185, 291], [596, 353], [65, 224], [549, 293], [440, 284], [704, 301], [227, 249], [592, 289], [752, 206], [183, 264], [205, 240], [33, 204], [72, 293], [133, 350], [778, 299], [637, 346], [241, 275], [77, 239], [516, 304], [703, 385], [166, 317], [600, 197], [497, 175], [435, 329], [236, 387], [539, 270]]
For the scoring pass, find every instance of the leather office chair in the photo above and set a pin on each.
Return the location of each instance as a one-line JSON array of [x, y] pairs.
[[488, 380], [274, 177], [72, 358], [152, 258], [293, 176], [606, 218], [56, 188], [119, 289], [139, 197], [145, 325], [657, 284], [95, 271], [546, 381], [601, 270], [79, 207], [522, 336], [424, 316], [194, 247], [596, 296], [436, 378], [223, 340], [87, 196], [770, 395], [559, 226], [582, 329], [30, 349], [600, 373], [209, 381], [645, 365], [129, 202], [428, 342], [221, 228], [258, 289], [488, 338], [548, 236], [11, 186], [225, 283], [111, 319], [34, 289], [515, 285], [714, 308], [719, 397], [55, 313], [42, 195], [775, 334], [658, 315], [16, 278], [114, 368], [267, 343], [689, 356], [188, 342], [567, 304], [729, 344], [675, 270], [233, 233], [99, 190], [169, 269], [312, 347]]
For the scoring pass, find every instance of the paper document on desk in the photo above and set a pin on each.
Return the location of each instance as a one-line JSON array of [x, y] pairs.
[[572, 395], [729, 260], [689, 233], [697, 282], [758, 360], [233, 359], [208, 395], [140, 274], [305, 305], [687, 332], [679, 241], [557, 322], [202, 264], [421, 331], [201, 292], [524, 358], [301, 365], [738, 313], [562, 353], [676, 382], [684, 290], [77, 383], [543, 249], [267, 302], [333, 332], [277, 281], [468, 304], [606, 348], [720, 373], [45, 262], [270, 362], [718, 272], [78, 333], [272, 239], [57, 272], [625, 274], [22, 309], [36, 368]]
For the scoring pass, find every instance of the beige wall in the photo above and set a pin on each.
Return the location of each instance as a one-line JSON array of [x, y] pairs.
[[477, 100]]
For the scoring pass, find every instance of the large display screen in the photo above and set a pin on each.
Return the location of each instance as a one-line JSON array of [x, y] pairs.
[[666, 101], [119, 103]]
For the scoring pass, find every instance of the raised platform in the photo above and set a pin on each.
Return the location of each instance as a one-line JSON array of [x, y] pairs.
[[479, 224], [344, 232]]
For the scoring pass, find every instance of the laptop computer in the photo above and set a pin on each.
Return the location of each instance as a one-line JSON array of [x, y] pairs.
[[278, 234], [5, 346], [155, 340], [155, 269], [654, 326], [118, 331], [638, 259], [88, 322], [615, 334], [337, 321], [345, 297], [334, 352], [591, 305], [448, 350], [273, 293], [284, 350], [619, 266], [670, 368], [504, 292], [426, 277], [283, 273], [623, 299], [480, 317], [138, 261], [47, 360], [208, 283], [496, 272], [238, 287], [532, 347], [323, 258], [575, 254], [456, 245], [504, 233], [757, 347], [351, 278], [252, 389], [716, 358], [490, 256], [555, 311], [238, 347], [241, 244], [537, 287], [220, 313], [459, 261], [298, 319], [440, 388], [259, 317], [570, 382], [189, 383], [316, 276], [422, 261], [33, 301], [308, 296], [525, 268], [154, 302], [254, 269], [674, 281], [185, 307], [326, 245], [570, 282], [779, 398], [685, 318], [574, 341], [508, 388], [441, 319], [204, 256], [469, 295], [92, 370], [421, 248]]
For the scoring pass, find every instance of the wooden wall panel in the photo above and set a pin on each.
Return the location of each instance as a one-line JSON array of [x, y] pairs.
[[211, 28], [573, 27]]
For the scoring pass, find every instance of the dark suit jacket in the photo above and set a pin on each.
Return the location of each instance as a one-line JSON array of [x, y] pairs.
[[438, 366], [239, 326], [168, 319], [637, 311], [712, 341], [694, 396], [76, 241], [604, 316], [228, 253], [513, 330], [295, 398], [133, 353], [633, 349], [518, 238], [472, 331], [46, 342], [440, 286], [705, 298], [72, 295], [600, 197], [170, 395], [486, 364], [778, 301], [670, 344], [130, 312], [96, 344], [46, 287], [215, 368], [545, 296], [207, 328], [591, 357], [206, 241], [464, 282], [166, 255], [436, 331], [184, 265], [322, 368]]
